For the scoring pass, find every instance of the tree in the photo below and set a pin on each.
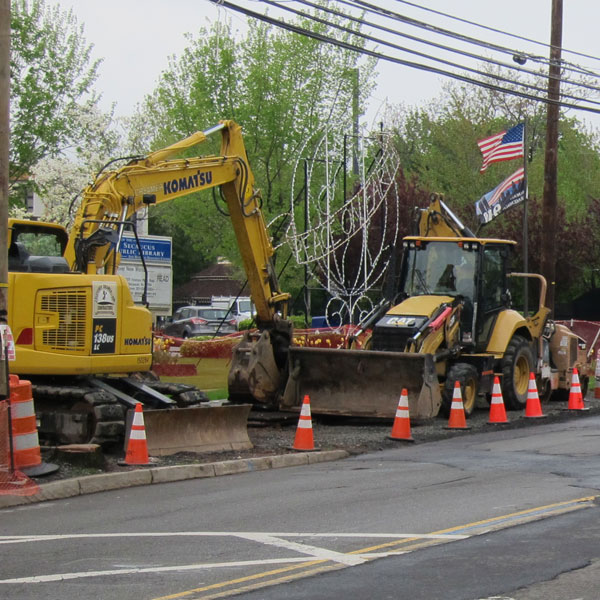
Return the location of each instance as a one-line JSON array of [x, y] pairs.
[[438, 144], [281, 87], [59, 179], [51, 78]]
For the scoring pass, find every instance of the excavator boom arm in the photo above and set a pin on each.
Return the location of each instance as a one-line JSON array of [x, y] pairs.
[[117, 195]]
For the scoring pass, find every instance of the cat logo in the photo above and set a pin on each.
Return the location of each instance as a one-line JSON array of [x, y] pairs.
[[401, 321]]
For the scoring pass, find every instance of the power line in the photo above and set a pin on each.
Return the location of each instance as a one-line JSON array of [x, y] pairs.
[[458, 36], [423, 55], [488, 28], [380, 56]]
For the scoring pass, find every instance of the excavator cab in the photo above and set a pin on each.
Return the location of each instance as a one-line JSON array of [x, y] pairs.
[[493, 294], [36, 247], [443, 268]]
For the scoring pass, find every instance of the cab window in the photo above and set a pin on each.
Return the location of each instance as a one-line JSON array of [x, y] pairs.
[[493, 283]]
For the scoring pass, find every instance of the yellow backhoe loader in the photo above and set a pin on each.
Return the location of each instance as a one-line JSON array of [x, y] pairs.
[[80, 337], [450, 320]]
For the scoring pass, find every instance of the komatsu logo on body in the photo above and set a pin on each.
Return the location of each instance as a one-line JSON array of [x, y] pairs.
[[187, 183], [145, 341]]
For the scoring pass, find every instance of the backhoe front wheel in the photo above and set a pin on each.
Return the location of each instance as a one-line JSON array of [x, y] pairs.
[[468, 378], [517, 365]]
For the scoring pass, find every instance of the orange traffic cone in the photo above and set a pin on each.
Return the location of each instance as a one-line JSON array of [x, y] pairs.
[[497, 409], [533, 408], [457, 418], [137, 448], [575, 397], [401, 427], [304, 434]]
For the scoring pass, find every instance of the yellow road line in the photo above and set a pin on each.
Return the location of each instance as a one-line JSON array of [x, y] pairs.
[[223, 584], [408, 544], [538, 511]]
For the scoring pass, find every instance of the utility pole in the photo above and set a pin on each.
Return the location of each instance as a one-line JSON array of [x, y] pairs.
[[4, 147], [550, 202], [355, 116]]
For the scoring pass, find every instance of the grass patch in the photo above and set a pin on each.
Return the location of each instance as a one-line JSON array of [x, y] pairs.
[[211, 374], [221, 394]]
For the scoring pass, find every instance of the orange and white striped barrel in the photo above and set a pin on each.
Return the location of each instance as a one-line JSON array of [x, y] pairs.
[[26, 443]]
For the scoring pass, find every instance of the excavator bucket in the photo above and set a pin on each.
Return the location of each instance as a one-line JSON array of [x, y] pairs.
[[196, 429], [254, 371], [362, 383]]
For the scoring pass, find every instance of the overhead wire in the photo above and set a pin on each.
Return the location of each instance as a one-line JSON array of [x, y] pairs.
[[373, 8], [424, 55], [381, 56], [494, 30]]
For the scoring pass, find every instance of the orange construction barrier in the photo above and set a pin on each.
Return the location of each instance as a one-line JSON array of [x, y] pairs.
[[137, 447], [27, 456], [533, 408], [497, 408], [26, 443], [575, 396], [401, 426], [304, 433], [457, 418], [12, 482]]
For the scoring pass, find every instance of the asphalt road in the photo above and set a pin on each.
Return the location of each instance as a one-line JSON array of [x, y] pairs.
[[506, 513]]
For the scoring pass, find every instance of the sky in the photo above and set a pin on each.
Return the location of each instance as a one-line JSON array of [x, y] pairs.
[[135, 39]]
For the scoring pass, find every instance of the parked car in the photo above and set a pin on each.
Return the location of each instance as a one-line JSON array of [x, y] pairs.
[[191, 321]]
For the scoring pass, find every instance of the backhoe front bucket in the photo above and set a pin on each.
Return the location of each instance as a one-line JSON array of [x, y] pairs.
[[362, 383], [197, 429]]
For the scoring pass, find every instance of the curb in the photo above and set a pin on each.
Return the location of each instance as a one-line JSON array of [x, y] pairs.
[[90, 484]]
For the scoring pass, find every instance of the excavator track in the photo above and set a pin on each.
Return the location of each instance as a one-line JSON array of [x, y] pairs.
[[185, 395], [89, 415], [77, 415]]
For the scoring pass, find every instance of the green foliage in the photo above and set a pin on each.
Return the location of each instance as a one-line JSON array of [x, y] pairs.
[[246, 324], [51, 77], [281, 87], [438, 146], [298, 321]]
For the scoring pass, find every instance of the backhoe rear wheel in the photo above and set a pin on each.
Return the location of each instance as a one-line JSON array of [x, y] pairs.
[[517, 365], [468, 377]]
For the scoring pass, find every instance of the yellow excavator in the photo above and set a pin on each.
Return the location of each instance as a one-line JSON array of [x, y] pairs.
[[83, 342], [449, 319]]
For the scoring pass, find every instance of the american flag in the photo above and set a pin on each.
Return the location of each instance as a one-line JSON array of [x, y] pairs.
[[505, 145]]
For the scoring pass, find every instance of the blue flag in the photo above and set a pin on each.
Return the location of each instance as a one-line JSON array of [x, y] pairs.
[[509, 193]]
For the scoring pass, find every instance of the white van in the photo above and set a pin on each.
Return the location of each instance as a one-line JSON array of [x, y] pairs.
[[241, 308]]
